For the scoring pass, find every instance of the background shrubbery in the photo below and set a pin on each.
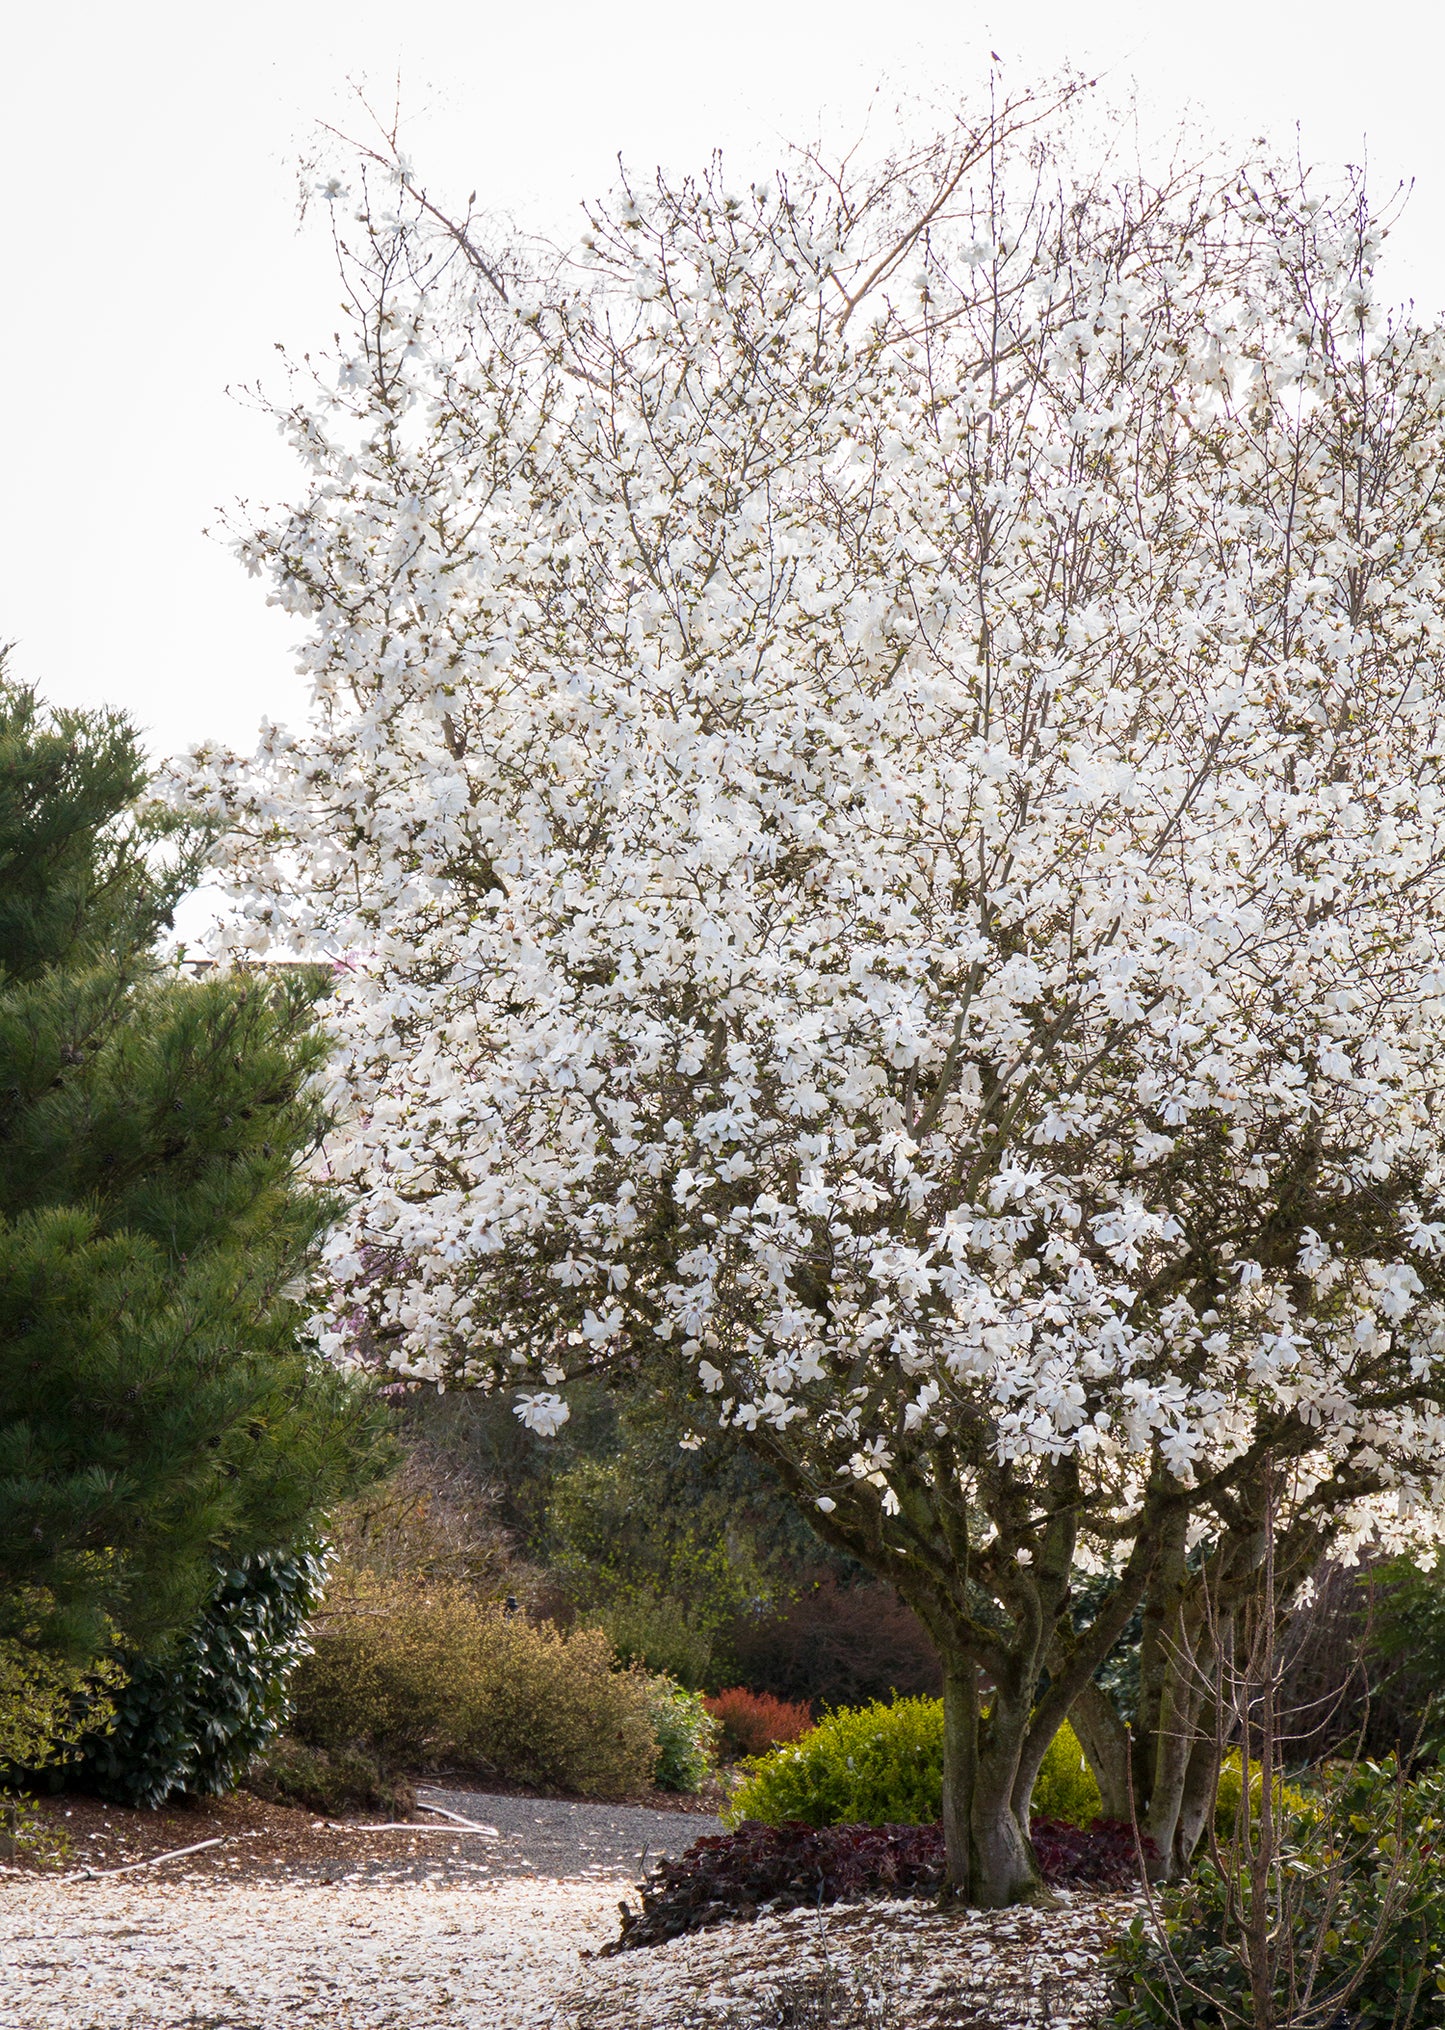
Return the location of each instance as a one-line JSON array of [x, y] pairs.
[[685, 1732], [750, 1723], [832, 1636], [691, 1559], [418, 1675], [1065, 1790]]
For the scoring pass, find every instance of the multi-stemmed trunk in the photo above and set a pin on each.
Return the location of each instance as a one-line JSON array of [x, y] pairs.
[[1161, 1771], [1165, 1767], [998, 1609], [991, 1860], [993, 1750]]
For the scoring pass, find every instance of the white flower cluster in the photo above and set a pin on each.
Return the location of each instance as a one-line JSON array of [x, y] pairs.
[[884, 836]]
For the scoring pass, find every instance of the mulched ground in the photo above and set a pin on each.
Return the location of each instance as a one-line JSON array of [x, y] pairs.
[[208, 1954]]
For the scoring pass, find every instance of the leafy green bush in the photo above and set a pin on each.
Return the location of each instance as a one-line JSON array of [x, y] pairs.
[[1231, 1784], [418, 1675], [653, 1633], [191, 1720], [866, 1765], [686, 1732], [1359, 1883], [882, 1765], [1065, 1788], [327, 1779]]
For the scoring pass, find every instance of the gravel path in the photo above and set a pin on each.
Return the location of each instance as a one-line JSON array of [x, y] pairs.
[[202, 1955], [551, 1838], [293, 1923]]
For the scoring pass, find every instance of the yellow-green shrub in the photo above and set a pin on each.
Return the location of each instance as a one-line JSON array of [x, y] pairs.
[[883, 1765], [863, 1765], [1231, 1784], [47, 1703], [419, 1674], [1066, 1788]]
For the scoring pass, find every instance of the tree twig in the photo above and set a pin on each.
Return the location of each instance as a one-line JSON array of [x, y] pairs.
[[475, 1824], [152, 1861]]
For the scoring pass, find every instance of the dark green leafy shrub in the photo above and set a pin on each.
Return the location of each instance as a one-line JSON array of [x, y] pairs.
[[685, 1731], [193, 1719], [327, 1780], [1358, 1916], [419, 1675]]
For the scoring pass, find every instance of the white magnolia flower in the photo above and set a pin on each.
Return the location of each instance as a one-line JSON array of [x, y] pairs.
[[890, 843], [544, 1414]]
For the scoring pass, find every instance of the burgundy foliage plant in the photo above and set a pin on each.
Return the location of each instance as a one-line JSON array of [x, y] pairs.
[[737, 1875]]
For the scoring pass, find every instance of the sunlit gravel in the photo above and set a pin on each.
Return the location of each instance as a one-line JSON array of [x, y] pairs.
[[360, 1956], [196, 1954]]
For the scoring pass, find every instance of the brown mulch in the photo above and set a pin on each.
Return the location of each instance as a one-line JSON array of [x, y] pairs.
[[261, 1840]]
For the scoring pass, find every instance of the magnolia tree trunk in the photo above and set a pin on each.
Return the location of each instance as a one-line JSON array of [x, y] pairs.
[[1164, 1770], [990, 1859], [1105, 1743]]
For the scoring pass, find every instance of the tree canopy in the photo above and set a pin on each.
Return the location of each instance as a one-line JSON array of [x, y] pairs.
[[877, 773]]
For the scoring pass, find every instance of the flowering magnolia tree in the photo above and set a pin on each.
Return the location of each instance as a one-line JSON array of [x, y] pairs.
[[876, 786]]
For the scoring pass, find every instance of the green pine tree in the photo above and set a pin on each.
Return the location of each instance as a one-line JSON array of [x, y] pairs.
[[157, 1410]]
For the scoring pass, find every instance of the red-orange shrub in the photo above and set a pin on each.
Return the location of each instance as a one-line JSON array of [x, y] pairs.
[[754, 1722]]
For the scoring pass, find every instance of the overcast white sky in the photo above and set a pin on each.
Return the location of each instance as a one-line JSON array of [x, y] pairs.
[[153, 256]]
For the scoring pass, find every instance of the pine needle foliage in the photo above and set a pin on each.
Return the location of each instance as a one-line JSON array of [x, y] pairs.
[[158, 1410]]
